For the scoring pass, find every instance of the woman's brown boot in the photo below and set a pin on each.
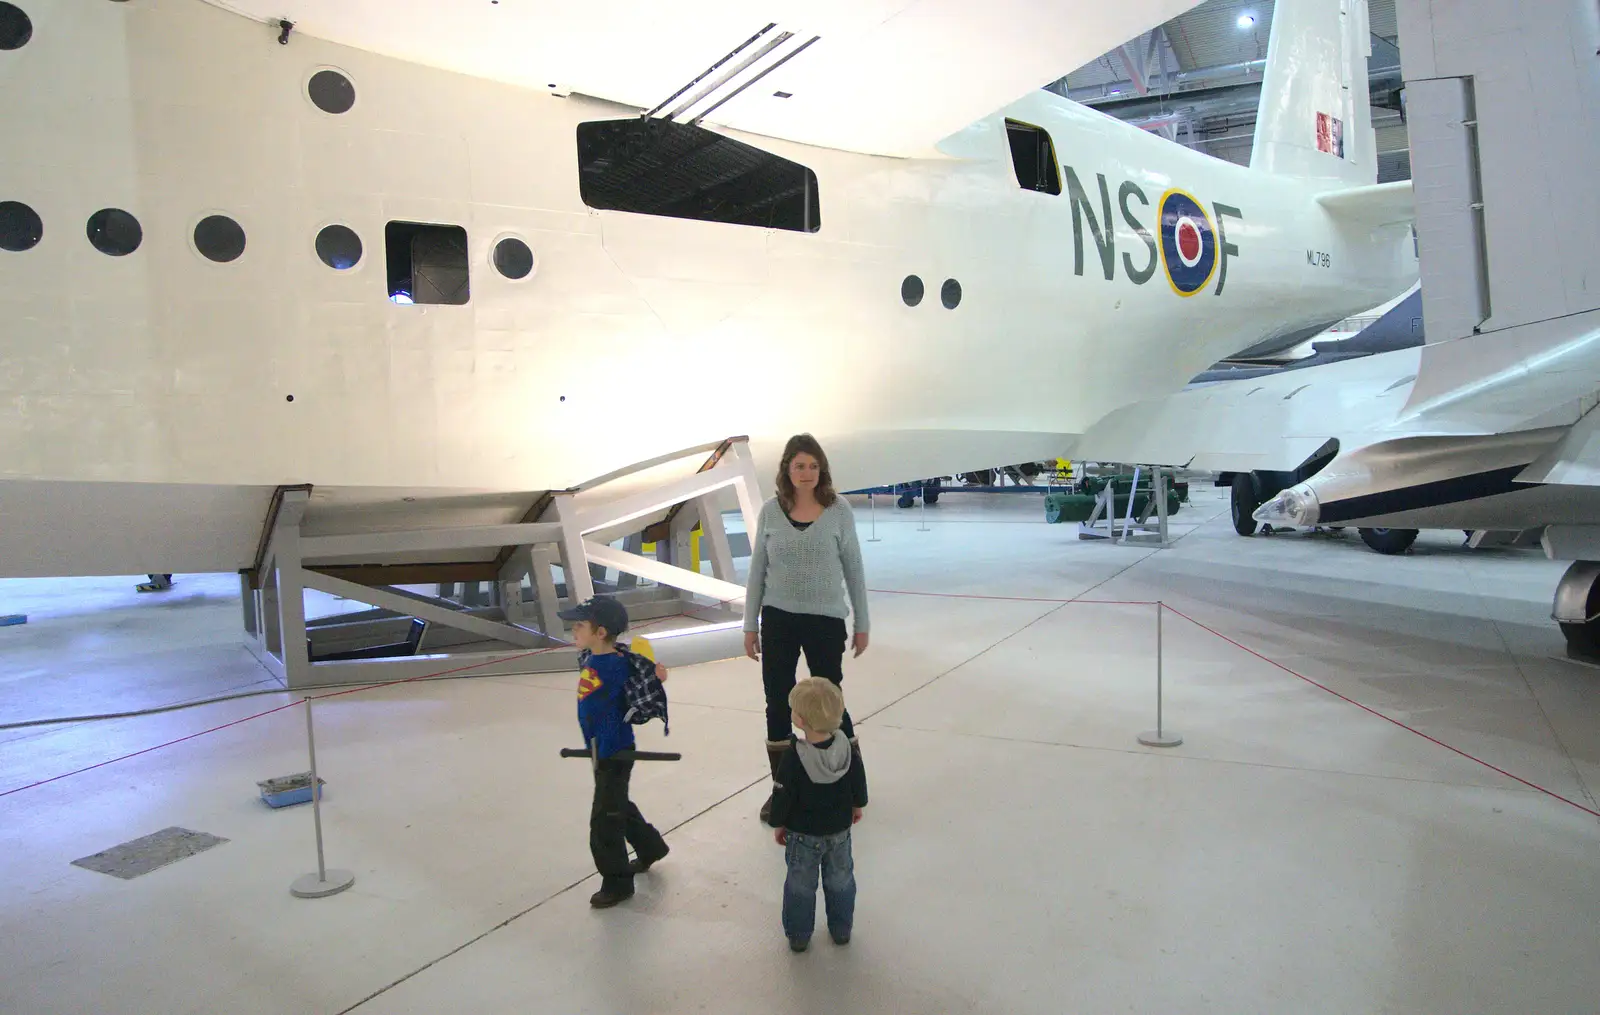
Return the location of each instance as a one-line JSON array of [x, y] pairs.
[[775, 752]]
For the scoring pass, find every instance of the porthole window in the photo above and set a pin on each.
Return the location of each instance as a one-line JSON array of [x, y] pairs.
[[115, 232], [911, 290], [331, 92], [20, 227], [339, 247], [513, 258], [950, 294], [15, 27], [219, 238]]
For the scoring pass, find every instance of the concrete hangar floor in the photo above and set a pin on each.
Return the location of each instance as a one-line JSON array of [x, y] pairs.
[[1022, 852]]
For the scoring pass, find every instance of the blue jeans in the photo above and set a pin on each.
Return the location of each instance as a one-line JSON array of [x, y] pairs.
[[807, 855]]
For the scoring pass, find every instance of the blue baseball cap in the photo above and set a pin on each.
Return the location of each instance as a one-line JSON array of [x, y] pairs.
[[601, 611]]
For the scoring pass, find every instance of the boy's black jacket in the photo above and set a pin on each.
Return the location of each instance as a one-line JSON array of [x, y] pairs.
[[802, 805]]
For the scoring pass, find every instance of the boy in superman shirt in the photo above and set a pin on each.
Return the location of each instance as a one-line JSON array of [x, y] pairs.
[[614, 821]]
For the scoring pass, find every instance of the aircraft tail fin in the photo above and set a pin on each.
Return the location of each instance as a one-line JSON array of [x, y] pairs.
[[1315, 119]]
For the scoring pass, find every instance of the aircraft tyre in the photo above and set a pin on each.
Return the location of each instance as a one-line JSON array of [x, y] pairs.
[[1583, 636], [1244, 504], [1389, 541]]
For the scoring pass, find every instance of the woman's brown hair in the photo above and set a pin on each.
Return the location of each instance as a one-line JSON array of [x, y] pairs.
[[804, 444]]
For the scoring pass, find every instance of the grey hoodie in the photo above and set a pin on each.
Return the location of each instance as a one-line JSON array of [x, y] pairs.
[[825, 764]]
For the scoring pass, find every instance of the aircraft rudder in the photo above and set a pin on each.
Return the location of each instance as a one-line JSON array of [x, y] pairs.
[[1315, 117]]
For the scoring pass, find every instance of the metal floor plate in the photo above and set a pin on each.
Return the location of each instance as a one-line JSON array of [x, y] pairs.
[[151, 852]]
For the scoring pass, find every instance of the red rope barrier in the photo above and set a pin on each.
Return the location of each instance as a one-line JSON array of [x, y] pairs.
[[320, 697], [1386, 718], [147, 750], [888, 592], [1012, 599]]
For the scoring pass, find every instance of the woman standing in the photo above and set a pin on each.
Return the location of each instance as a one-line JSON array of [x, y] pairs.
[[804, 558]]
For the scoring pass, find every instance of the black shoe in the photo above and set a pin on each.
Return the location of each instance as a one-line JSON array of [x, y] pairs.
[[766, 811], [799, 944], [640, 865], [605, 899], [840, 939]]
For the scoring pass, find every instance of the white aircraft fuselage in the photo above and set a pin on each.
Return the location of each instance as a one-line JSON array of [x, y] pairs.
[[635, 335]]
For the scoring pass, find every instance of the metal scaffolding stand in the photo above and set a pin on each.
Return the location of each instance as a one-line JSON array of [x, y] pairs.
[[1140, 530], [499, 625]]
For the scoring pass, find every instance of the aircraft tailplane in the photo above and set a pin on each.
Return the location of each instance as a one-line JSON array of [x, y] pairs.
[[1381, 204], [1315, 119]]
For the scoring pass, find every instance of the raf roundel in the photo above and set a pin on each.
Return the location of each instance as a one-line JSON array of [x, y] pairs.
[[1188, 243]]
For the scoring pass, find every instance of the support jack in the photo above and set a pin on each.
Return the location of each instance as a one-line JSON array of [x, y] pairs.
[[1131, 529]]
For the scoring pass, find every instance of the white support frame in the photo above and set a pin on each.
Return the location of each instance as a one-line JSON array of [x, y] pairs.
[[325, 549], [666, 574], [277, 636], [574, 561], [388, 599], [714, 539], [274, 614], [545, 589]]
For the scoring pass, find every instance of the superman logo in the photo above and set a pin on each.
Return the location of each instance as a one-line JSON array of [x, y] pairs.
[[588, 683]]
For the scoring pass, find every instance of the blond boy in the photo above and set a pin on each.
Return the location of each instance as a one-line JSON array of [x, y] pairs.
[[820, 791]]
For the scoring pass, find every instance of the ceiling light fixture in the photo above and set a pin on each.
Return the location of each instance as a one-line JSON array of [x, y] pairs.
[[1246, 22]]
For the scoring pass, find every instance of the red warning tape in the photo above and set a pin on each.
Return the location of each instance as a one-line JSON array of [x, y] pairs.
[[1013, 599], [320, 697], [147, 750], [887, 592], [1385, 718]]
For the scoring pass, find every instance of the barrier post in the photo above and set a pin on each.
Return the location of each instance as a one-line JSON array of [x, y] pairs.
[[1159, 737], [324, 882], [924, 526], [872, 506]]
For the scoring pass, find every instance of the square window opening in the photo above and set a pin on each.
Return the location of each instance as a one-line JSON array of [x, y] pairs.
[[1034, 158], [427, 263], [678, 170]]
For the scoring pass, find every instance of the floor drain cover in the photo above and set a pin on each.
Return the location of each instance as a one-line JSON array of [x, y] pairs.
[[143, 855]]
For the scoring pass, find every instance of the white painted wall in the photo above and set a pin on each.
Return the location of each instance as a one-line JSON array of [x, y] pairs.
[[1536, 77]]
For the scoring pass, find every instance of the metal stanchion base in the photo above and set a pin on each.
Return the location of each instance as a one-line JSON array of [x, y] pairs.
[[310, 886], [1166, 738]]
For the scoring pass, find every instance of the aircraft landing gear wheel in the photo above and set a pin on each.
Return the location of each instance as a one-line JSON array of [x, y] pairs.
[[907, 500], [1244, 504], [1578, 596], [1389, 541]]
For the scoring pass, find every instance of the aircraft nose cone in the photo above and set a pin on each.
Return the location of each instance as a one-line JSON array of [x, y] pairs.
[[1296, 506]]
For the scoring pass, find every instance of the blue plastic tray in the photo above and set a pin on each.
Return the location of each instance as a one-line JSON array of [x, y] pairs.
[[289, 797]]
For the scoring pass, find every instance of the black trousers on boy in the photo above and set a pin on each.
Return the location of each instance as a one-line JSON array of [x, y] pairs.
[[615, 824], [784, 637]]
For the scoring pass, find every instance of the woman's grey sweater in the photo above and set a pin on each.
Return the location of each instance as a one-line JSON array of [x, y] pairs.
[[809, 571]]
